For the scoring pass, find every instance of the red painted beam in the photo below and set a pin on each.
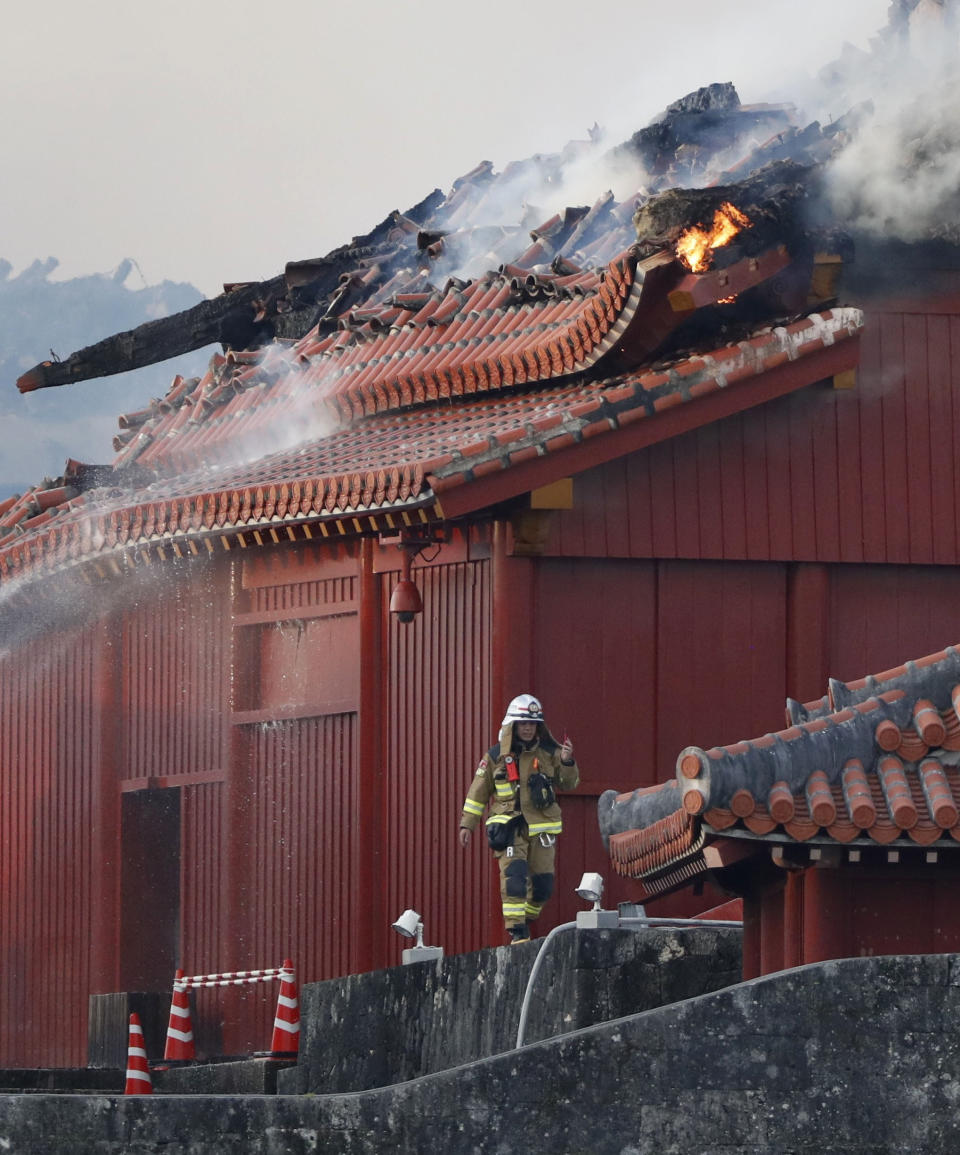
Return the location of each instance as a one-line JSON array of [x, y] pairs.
[[368, 949], [511, 667]]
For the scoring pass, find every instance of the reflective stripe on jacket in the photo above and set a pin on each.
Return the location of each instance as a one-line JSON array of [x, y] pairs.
[[507, 799]]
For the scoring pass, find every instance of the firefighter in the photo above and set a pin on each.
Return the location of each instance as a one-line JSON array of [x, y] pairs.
[[519, 777]]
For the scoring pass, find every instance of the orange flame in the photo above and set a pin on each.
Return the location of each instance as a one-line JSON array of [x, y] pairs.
[[695, 246]]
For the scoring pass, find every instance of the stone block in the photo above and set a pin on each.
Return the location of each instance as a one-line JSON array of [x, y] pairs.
[[238, 1077]]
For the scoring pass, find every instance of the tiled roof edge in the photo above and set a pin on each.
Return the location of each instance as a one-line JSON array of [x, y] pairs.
[[927, 677], [710, 778], [97, 531], [647, 393]]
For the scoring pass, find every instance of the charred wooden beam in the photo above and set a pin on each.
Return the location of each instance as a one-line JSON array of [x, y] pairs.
[[157, 340], [245, 316], [690, 132]]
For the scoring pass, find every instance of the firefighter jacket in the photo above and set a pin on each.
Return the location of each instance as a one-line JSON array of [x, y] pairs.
[[503, 779]]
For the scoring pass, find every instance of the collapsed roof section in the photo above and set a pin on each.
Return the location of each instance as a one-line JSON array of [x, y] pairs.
[[875, 763], [487, 220], [442, 364]]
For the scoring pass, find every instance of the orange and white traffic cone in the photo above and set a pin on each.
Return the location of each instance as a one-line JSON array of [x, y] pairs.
[[180, 1027], [286, 1025], [138, 1072]]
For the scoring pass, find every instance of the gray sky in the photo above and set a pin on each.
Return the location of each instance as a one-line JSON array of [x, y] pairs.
[[213, 140]]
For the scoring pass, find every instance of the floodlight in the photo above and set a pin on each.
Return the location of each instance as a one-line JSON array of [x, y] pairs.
[[591, 889], [410, 925]]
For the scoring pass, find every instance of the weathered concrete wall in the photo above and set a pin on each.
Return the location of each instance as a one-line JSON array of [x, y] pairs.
[[858, 1055], [383, 1027]]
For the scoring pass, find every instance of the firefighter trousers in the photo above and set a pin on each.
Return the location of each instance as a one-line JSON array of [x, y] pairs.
[[526, 878]]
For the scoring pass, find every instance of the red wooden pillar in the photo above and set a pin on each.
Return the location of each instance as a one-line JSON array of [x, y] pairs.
[[793, 920], [751, 938], [368, 949], [771, 931], [514, 639], [105, 835], [825, 915]]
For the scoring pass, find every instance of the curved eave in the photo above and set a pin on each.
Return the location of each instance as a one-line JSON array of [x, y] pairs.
[[94, 550]]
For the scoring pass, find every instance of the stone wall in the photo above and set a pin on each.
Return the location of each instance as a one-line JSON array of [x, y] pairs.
[[383, 1027], [858, 1055]]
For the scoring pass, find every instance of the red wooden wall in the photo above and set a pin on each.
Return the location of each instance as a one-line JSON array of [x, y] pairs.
[[49, 797], [813, 915], [860, 475], [304, 757]]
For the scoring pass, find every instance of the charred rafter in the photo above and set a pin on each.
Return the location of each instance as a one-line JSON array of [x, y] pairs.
[[245, 316], [159, 340]]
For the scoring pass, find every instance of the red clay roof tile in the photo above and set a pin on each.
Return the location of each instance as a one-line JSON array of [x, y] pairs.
[[492, 428], [840, 784]]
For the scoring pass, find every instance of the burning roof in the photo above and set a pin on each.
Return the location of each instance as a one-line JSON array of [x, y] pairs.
[[471, 331], [487, 222]]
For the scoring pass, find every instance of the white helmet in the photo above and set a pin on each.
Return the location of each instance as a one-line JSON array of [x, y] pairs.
[[523, 708]]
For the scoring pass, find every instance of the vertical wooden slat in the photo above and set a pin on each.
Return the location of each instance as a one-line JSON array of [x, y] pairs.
[[685, 499], [917, 441], [663, 511], [710, 509], [893, 482], [616, 507], [798, 452], [825, 468], [639, 496], [775, 419], [852, 496], [809, 625], [943, 456], [756, 486]]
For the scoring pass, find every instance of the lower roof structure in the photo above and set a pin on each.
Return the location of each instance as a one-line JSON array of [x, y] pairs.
[[875, 764]]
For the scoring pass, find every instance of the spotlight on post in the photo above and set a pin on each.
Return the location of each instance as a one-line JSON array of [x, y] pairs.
[[410, 925], [591, 890]]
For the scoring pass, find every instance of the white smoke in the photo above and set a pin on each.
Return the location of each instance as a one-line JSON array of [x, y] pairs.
[[899, 176]]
